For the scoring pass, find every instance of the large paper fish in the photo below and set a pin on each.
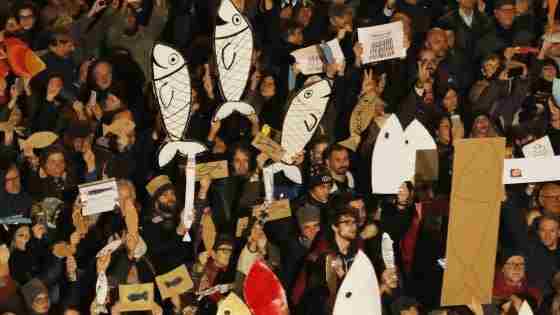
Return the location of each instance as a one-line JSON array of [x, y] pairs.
[[172, 87], [306, 109], [263, 291], [302, 119], [359, 290], [233, 49], [389, 159]]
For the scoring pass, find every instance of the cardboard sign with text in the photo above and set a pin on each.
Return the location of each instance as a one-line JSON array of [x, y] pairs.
[[278, 209], [269, 147], [473, 221]]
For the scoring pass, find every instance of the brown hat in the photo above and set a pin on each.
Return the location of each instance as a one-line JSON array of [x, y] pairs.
[[157, 183]]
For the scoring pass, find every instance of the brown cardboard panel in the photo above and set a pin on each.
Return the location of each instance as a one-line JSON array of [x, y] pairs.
[[427, 165], [174, 283], [269, 147], [216, 170], [279, 209], [136, 297], [208, 231], [473, 223]]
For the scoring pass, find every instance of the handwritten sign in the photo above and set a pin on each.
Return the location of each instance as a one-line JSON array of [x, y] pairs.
[[174, 283], [539, 148], [268, 147], [136, 297], [382, 42]]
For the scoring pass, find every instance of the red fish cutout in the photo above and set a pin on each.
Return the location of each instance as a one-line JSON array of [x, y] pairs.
[[23, 61], [263, 291]]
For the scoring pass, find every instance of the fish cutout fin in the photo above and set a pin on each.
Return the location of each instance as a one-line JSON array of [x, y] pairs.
[[229, 108], [168, 150]]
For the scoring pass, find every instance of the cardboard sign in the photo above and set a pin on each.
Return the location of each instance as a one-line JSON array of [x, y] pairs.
[[382, 42], [136, 297], [216, 170], [278, 209], [473, 223], [174, 283], [427, 165], [531, 170], [268, 147], [309, 59], [99, 196], [242, 225]]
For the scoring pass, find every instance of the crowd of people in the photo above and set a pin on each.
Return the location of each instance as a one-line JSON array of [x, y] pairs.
[[473, 69]]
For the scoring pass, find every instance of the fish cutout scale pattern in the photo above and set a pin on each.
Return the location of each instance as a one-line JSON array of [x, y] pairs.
[[174, 97], [233, 56]]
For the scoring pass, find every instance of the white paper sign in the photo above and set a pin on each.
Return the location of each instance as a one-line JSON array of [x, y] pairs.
[[382, 42], [539, 148], [309, 60], [100, 196], [336, 51], [531, 170]]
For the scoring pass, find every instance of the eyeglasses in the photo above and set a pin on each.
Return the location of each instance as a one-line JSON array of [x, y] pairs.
[[552, 197], [224, 249], [348, 222], [26, 16], [515, 265]]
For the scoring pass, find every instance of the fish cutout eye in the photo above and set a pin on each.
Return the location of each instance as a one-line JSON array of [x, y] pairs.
[[386, 135], [173, 59], [227, 312], [348, 295], [308, 94], [405, 141], [236, 19]]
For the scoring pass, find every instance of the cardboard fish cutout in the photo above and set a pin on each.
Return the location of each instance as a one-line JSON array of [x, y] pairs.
[[416, 137], [263, 291], [172, 88], [359, 290], [389, 159], [306, 110], [233, 49], [233, 305]]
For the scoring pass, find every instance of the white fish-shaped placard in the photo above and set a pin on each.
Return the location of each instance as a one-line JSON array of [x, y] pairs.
[[305, 111], [233, 50], [172, 88], [389, 159], [416, 137], [359, 289]]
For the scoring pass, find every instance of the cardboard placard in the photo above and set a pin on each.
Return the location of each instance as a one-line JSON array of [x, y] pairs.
[[427, 165], [216, 170], [233, 305], [242, 224], [474, 218], [174, 283], [136, 297], [278, 209], [208, 231], [269, 147]]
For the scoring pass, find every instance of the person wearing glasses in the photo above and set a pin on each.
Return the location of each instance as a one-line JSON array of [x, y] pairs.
[[314, 291], [511, 283]]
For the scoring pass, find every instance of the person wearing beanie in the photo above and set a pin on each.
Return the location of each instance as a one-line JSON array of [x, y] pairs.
[[165, 245], [325, 267]]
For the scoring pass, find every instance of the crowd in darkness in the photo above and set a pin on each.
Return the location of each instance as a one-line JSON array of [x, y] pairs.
[[473, 69]]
